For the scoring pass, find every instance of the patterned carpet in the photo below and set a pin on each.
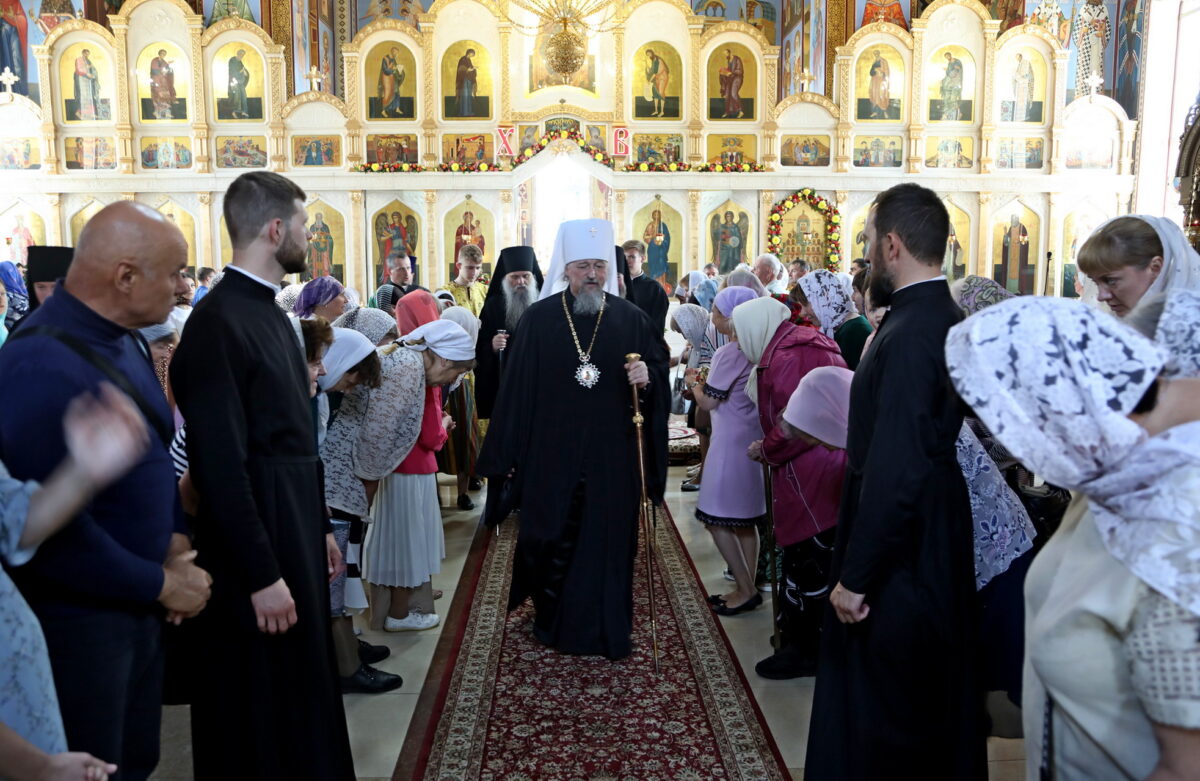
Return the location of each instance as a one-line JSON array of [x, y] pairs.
[[499, 706]]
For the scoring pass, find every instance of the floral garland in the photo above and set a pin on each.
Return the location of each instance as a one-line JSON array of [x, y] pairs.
[[594, 152], [833, 224], [389, 168], [703, 168]]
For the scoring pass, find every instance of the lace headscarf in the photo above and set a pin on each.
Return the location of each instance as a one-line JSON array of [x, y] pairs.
[[1054, 381], [828, 299], [974, 293], [693, 322], [371, 323], [1179, 333], [755, 323], [463, 316], [286, 299]]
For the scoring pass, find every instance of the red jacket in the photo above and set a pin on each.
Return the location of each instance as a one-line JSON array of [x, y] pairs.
[[422, 459], [807, 479]]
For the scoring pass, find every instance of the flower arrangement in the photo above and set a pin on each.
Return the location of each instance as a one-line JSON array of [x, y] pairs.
[[594, 152], [725, 168], [833, 224], [471, 167], [657, 167], [389, 168]]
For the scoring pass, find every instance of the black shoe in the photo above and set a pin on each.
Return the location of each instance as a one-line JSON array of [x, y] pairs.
[[786, 664], [372, 654], [725, 610], [368, 680], [688, 485], [465, 503], [474, 484], [716, 600]]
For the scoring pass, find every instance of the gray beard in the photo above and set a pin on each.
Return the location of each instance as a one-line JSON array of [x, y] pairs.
[[516, 302], [588, 302]]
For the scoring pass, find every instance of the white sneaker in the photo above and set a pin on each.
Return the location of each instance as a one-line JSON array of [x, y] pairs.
[[412, 622], [692, 471]]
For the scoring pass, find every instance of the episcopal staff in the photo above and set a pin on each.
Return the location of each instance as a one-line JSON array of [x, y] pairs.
[[268, 703], [515, 287], [896, 682], [563, 429]]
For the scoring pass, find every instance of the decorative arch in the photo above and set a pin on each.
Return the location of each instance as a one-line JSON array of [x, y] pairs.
[[326, 254], [79, 25], [660, 226], [18, 101], [184, 220], [971, 5], [1017, 262], [129, 6], [815, 98], [80, 218], [680, 5], [491, 6], [744, 28], [781, 226], [481, 233], [236, 24], [385, 232], [730, 240], [304, 98], [386, 24], [881, 28], [23, 227], [1033, 31]]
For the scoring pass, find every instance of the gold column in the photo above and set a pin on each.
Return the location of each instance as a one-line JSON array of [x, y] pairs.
[[436, 272], [987, 130], [983, 240], [695, 127], [281, 33], [431, 91], [917, 105], [359, 274], [619, 76], [505, 77], [840, 197], [508, 231], [199, 107], [766, 200], [693, 232], [54, 228], [845, 100], [125, 139], [354, 113], [1059, 101], [49, 142], [619, 199], [770, 128], [204, 253]]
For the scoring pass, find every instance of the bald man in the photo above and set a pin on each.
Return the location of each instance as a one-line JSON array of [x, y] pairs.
[[102, 588]]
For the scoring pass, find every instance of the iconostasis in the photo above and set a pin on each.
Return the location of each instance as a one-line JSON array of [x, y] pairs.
[[713, 133]]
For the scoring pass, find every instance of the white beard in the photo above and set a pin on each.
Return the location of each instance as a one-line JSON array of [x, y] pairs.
[[588, 302], [516, 301]]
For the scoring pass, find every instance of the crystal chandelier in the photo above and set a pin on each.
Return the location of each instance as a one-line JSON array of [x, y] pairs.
[[567, 48]]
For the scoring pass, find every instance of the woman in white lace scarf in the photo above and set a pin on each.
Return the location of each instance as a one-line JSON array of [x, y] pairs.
[[1138, 255], [826, 300], [1112, 674]]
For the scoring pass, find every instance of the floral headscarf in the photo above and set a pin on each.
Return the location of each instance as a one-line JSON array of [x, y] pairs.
[[974, 293], [371, 323], [828, 299], [1179, 333]]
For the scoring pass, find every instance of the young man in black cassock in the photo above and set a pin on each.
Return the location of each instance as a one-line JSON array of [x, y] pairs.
[[515, 286], [564, 428], [644, 291], [267, 704], [897, 692]]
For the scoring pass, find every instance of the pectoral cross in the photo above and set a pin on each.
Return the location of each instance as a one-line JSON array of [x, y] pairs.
[[315, 77], [8, 79], [1094, 81]]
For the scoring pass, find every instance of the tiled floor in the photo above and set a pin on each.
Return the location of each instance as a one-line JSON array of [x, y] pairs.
[[378, 723]]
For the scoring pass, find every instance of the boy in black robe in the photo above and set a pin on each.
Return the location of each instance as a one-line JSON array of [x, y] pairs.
[[564, 428], [896, 691], [268, 704], [644, 290]]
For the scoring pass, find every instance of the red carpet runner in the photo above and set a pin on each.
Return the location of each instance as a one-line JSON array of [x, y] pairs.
[[499, 706]]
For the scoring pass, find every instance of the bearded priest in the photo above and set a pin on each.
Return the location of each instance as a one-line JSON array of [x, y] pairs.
[[515, 286], [564, 437]]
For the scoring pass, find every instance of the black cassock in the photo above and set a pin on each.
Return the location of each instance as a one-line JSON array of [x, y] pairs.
[[651, 299], [574, 450], [896, 694], [266, 706], [488, 366]]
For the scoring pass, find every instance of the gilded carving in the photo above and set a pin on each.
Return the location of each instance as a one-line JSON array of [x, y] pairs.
[[971, 5], [883, 28], [736, 27], [565, 108], [816, 98]]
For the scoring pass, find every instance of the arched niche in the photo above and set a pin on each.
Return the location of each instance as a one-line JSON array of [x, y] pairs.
[[1078, 225], [467, 86], [185, 221], [960, 242], [85, 68], [263, 60], [326, 254], [392, 226], [1017, 263], [733, 76], [660, 227], [729, 236], [20, 228], [657, 82], [468, 222], [81, 217]]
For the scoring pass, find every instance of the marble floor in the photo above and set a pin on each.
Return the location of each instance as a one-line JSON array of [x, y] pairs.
[[378, 723]]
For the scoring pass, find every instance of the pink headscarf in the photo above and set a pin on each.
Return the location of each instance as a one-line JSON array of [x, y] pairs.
[[820, 405], [729, 299]]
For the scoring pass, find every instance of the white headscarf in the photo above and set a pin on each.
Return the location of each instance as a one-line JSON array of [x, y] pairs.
[[348, 348], [744, 277], [828, 299], [581, 240], [1181, 263], [463, 316], [847, 282], [1054, 381], [445, 338], [688, 284], [755, 323], [371, 323]]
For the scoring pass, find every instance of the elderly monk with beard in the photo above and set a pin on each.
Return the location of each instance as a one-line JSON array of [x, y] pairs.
[[516, 285], [563, 437], [267, 703]]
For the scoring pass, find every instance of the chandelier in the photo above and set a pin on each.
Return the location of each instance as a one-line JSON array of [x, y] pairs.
[[567, 48]]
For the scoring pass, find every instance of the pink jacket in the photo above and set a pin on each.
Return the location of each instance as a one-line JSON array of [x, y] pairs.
[[807, 479]]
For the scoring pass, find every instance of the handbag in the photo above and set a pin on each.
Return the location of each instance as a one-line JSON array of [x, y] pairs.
[[679, 405], [1046, 505]]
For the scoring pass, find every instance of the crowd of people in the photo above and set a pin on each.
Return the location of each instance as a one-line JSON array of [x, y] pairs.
[[964, 503]]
